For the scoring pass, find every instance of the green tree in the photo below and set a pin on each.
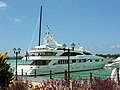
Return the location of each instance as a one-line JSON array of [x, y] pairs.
[[5, 75]]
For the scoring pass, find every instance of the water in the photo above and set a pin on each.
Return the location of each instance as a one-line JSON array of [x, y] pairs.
[[103, 73]]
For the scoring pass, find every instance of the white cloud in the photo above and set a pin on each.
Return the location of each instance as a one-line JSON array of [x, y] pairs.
[[115, 46], [3, 5], [17, 20]]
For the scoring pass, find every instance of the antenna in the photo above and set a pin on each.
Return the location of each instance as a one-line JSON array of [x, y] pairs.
[[40, 26]]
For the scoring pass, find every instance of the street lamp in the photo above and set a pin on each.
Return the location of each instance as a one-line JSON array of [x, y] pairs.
[[16, 52], [73, 46], [64, 46]]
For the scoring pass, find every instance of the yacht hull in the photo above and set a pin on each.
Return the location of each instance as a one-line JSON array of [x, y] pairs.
[[55, 69]]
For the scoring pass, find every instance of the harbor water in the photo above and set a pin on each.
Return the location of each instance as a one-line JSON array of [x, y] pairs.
[[104, 73]]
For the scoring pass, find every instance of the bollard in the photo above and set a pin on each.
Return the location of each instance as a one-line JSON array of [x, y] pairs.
[[50, 74], [91, 80], [118, 76], [22, 72], [26, 74], [90, 76], [35, 73], [65, 73]]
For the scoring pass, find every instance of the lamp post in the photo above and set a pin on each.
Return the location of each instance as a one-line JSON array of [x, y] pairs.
[[16, 52], [73, 46], [64, 46]]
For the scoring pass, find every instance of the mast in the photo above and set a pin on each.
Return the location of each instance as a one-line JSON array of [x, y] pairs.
[[40, 26]]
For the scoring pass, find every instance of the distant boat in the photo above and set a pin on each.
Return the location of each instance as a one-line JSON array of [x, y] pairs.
[[114, 63], [116, 60], [51, 56], [115, 71]]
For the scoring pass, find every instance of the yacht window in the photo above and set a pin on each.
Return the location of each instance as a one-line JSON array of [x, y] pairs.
[[33, 54], [102, 60], [87, 53], [96, 60], [82, 60], [54, 64], [60, 48], [66, 61], [71, 54], [73, 61], [41, 62], [90, 60], [62, 61], [47, 54]]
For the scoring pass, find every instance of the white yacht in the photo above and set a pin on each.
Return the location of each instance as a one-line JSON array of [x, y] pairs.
[[52, 56], [114, 63], [116, 60], [115, 68]]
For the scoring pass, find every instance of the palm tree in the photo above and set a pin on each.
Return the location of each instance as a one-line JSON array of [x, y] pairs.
[[5, 75]]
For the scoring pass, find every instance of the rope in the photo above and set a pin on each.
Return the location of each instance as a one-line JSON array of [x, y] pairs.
[[34, 33]]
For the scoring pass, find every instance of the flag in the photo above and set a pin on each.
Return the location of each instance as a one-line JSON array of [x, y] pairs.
[[27, 55]]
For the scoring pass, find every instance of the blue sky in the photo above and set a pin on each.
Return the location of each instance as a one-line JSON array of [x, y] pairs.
[[94, 24]]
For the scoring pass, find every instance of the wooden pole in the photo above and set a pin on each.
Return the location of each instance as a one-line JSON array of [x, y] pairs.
[[50, 74], [65, 73], [35, 73], [118, 76], [22, 72]]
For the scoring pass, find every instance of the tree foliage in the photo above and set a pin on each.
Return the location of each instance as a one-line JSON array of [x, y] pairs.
[[5, 75], [114, 56]]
